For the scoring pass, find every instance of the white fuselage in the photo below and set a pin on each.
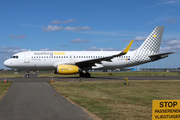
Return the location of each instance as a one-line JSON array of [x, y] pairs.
[[50, 59]]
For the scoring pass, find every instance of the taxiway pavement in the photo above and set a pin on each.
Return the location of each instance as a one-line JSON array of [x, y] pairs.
[[45, 79], [38, 101]]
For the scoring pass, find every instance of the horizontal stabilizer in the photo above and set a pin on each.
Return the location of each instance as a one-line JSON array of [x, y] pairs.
[[160, 56]]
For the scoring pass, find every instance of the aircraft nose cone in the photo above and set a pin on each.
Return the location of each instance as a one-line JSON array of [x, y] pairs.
[[6, 63]]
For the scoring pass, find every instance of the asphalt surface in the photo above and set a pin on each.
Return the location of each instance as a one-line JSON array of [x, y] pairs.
[[34, 78], [38, 101]]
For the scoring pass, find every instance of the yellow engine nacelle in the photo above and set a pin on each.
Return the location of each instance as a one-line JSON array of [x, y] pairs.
[[67, 69]]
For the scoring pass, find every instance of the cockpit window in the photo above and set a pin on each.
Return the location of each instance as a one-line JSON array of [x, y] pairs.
[[15, 57]]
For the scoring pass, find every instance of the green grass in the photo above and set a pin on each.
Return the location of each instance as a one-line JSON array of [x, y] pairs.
[[3, 88], [136, 73], [98, 74], [110, 100], [10, 74]]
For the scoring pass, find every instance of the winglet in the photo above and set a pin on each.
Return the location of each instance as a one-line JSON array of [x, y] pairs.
[[128, 47]]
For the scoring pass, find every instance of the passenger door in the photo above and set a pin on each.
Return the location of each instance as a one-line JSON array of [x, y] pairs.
[[27, 57]]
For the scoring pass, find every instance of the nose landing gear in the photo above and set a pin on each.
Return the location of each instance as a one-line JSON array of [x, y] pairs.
[[27, 75]]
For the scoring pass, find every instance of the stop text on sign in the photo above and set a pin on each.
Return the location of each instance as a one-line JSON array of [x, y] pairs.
[[167, 104]]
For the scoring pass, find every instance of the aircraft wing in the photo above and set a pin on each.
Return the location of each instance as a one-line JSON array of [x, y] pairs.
[[91, 62], [160, 56]]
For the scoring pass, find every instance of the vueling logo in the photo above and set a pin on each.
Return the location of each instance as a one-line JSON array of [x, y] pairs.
[[59, 53]]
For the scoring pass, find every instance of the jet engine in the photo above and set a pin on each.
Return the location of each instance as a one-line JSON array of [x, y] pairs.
[[67, 69]]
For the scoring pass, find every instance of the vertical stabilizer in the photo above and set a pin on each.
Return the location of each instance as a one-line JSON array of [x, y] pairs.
[[152, 43], [149, 47]]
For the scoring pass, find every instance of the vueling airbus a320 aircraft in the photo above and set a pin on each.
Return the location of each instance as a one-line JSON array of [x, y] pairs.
[[72, 62]]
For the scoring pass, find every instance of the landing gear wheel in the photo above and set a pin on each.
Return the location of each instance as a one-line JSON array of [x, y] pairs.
[[81, 74], [27, 75], [87, 75]]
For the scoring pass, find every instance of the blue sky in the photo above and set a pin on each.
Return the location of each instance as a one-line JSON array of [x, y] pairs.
[[76, 25]]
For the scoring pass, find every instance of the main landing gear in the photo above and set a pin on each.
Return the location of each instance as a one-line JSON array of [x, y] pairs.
[[86, 75]]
